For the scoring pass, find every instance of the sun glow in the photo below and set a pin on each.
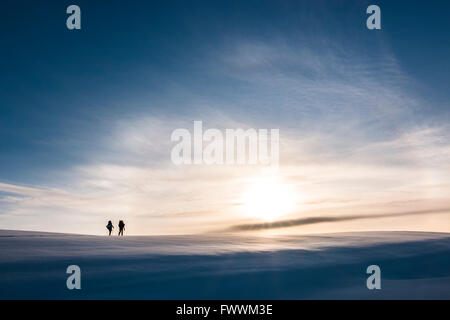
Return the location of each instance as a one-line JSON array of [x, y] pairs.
[[268, 199]]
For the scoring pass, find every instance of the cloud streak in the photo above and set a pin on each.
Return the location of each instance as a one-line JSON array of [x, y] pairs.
[[329, 219]]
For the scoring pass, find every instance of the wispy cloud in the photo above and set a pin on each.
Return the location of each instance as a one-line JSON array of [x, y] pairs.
[[348, 129]]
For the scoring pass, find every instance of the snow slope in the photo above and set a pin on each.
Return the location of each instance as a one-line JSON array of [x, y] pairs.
[[414, 265]]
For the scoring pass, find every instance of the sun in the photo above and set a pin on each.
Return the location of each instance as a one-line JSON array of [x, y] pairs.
[[268, 198]]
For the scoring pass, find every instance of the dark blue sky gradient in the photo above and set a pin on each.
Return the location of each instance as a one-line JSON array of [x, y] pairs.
[[60, 89]]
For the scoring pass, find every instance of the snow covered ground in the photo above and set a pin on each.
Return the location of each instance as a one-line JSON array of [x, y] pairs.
[[329, 266]]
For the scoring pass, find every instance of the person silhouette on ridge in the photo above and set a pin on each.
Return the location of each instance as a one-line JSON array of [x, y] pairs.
[[109, 226], [121, 227]]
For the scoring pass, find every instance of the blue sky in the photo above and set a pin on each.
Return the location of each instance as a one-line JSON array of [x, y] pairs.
[[81, 108]]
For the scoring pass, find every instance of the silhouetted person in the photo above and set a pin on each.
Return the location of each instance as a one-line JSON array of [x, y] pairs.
[[121, 227], [109, 226]]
